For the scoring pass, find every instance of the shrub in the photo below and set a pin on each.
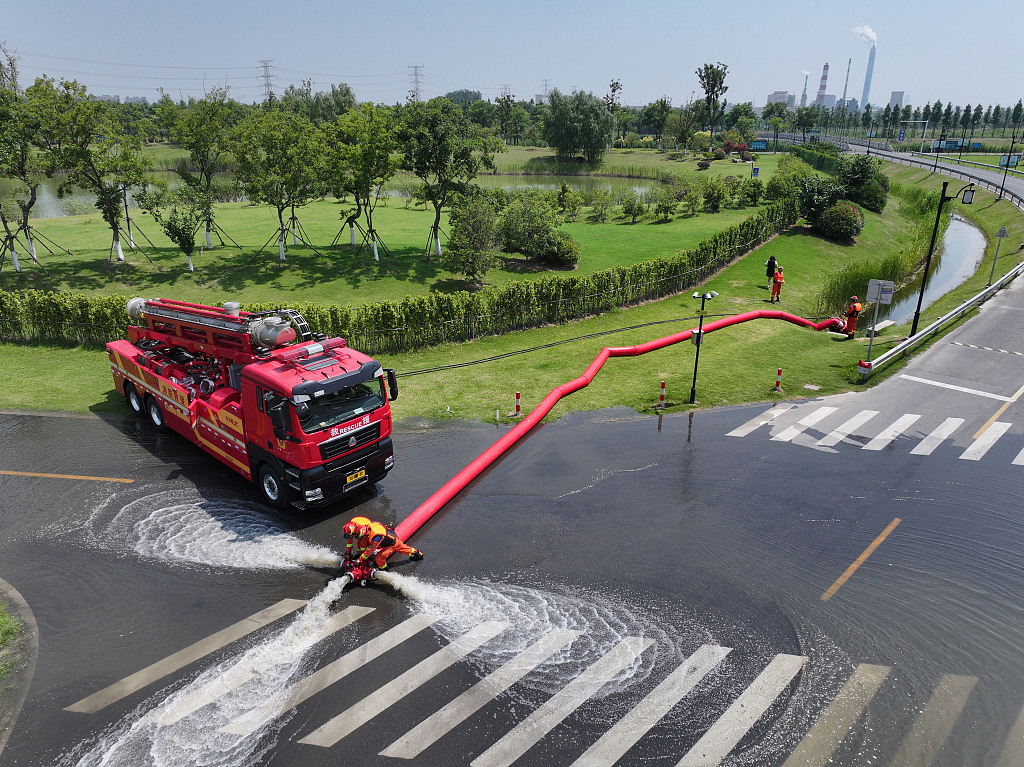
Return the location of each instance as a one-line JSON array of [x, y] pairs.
[[527, 225], [871, 195], [817, 194], [569, 202], [714, 196], [703, 165], [474, 233], [842, 221], [693, 202], [719, 153], [779, 187], [566, 251], [665, 203], [753, 190], [601, 201], [632, 205]]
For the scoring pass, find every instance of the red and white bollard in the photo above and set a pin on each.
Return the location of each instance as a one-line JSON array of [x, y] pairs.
[[518, 405], [778, 381], [661, 401]]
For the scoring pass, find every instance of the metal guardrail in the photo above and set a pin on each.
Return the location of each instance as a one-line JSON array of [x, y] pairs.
[[959, 161], [867, 368], [992, 186]]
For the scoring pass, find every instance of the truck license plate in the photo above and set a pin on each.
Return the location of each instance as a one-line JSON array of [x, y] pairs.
[[355, 477]]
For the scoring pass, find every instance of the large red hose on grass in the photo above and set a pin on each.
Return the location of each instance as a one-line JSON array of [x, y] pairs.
[[456, 484]]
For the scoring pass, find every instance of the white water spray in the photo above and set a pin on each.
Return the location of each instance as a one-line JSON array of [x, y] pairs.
[[181, 526], [184, 728]]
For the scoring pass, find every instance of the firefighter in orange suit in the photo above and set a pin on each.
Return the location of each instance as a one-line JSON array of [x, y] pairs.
[[378, 543], [351, 533], [777, 282], [852, 313]]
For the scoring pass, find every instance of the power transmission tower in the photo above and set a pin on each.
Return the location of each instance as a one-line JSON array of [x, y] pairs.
[[414, 92], [268, 80], [506, 89], [547, 82]]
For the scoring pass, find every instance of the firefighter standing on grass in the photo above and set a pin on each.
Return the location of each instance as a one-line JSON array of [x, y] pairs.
[[777, 282], [375, 541], [852, 313]]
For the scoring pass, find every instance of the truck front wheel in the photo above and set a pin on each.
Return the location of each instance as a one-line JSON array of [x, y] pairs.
[[156, 415], [274, 488]]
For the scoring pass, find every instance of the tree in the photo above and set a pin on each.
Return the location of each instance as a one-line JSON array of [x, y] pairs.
[[201, 127], [281, 159], [578, 124], [712, 82], [463, 97], [655, 115], [482, 113], [632, 205], [178, 212], [505, 109], [626, 119], [529, 225], [442, 151], [665, 203], [362, 159], [319, 108], [473, 240], [80, 139], [1018, 112], [816, 194], [738, 112], [611, 98], [806, 117]]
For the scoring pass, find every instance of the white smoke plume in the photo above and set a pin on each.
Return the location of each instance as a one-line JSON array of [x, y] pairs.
[[866, 33]]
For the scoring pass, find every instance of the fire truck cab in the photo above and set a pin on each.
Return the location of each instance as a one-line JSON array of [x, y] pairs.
[[305, 417]]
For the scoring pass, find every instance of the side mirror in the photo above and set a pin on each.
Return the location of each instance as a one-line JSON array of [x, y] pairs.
[[392, 385], [279, 418]]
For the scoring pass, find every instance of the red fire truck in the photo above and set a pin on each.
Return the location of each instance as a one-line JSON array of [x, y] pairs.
[[304, 416]]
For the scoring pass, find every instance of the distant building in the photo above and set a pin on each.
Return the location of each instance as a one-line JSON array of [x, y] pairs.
[[896, 99], [850, 104], [136, 100], [109, 99], [783, 97], [828, 101], [540, 99]]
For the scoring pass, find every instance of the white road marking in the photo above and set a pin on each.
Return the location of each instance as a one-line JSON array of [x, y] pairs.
[[613, 745], [730, 728], [817, 747], [983, 444], [759, 421], [521, 738], [964, 389], [236, 677], [1019, 460], [933, 440], [387, 695], [891, 432], [846, 429], [182, 658], [922, 744], [787, 434], [333, 672], [431, 729]]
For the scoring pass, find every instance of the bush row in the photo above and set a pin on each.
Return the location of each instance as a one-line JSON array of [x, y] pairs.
[[421, 321]]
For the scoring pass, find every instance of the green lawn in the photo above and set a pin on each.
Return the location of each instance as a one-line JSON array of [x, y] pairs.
[[9, 629]]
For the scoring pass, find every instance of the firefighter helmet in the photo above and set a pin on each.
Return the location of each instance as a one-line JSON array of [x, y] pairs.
[[351, 530]]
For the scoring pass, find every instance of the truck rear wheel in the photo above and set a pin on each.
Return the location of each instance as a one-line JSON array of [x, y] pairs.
[[156, 414], [135, 403], [274, 488]]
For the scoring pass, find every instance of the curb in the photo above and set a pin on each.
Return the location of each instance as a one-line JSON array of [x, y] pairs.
[[26, 652]]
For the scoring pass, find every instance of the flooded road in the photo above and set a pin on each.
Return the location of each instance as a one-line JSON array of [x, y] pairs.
[[619, 552]]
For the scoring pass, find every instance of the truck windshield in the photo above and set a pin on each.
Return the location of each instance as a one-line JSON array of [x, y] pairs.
[[343, 405]]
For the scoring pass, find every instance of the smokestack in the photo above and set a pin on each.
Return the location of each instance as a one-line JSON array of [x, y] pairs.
[[847, 81], [803, 96], [867, 78], [820, 100]]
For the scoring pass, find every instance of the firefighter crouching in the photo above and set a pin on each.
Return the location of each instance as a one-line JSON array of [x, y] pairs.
[[375, 542], [852, 313]]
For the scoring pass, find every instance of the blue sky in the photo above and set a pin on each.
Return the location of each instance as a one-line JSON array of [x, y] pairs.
[[936, 50]]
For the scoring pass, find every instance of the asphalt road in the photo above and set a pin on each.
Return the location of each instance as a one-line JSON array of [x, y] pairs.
[[706, 549]]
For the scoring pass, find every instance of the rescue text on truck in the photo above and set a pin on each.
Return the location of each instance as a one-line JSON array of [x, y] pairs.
[[304, 416]]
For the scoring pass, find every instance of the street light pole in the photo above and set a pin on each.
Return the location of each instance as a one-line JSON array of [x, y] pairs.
[[943, 199], [700, 341], [1013, 140]]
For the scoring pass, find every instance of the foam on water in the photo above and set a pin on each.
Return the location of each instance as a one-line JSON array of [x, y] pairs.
[[176, 733], [181, 526], [531, 613]]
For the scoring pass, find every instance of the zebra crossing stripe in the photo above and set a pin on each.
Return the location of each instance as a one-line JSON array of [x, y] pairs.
[[922, 744], [333, 672], [846, 429], [796, 429], [936, 438], [177, 661], [1013, 751], [817, 747], [627, 731], [730, 728], [431, 729], [387, 695], [239, 675], [757, 422], [1019, 460], [523, 736], [890, 433], [985, 442]]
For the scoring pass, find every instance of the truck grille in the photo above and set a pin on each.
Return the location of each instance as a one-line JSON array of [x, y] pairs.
[[352, 460], [335, 447]]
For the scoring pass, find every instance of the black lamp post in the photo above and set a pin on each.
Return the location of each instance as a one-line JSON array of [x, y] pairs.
[[968, 198], [700, 339], [1013, 140], [938, 150]]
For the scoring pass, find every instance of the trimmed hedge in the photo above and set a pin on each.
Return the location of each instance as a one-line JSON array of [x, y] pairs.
[[421, 321]]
